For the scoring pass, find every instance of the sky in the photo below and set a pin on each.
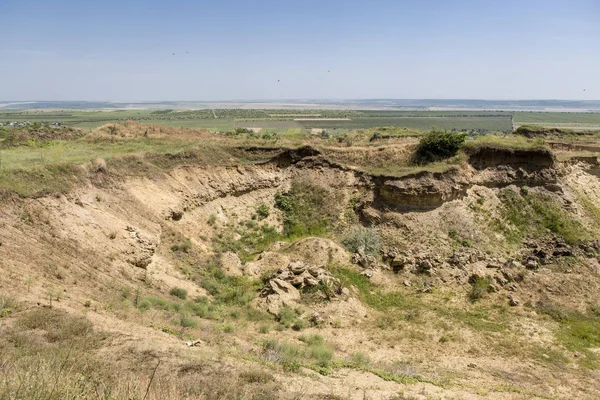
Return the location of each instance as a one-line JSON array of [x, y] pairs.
[[122, 50]]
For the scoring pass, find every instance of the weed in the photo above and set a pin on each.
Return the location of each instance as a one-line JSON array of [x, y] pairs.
[[577, 332], [369, 293], [260, 377], [264, 328], [285, 354], [312, 340]]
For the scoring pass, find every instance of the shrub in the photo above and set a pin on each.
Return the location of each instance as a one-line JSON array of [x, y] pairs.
[[178, 292], [7, 306], [262, 211], [212, 219], [264, 328], [360, 359], [59, 325], [187, 322], [479, 287], [282, 353], [308, 209], [286, 316], [184, 246], [438, 145], [299, 324], [322, 355], [360, 237], [312, 340]]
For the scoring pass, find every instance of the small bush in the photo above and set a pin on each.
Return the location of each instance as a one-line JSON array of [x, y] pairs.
[[285, 354], [178, 292], [360, 237], [299, 324], [184, 246], [438, 145], [286, 316], [187, 322], [144, 305], [59, 325], [308, 209], [212, 219], [261, 377], [7, 306], [479, 287], [312, 340], [360, 359], [262, 211], [264, 328], [322, 355]]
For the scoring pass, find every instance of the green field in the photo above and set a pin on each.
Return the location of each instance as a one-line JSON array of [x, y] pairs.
[[565, 120], [228, 119], [495, 123]]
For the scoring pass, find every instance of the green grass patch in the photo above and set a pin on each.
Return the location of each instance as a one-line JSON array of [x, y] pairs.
[[308, 209], [247, 240], [576, 332], [533, 214]]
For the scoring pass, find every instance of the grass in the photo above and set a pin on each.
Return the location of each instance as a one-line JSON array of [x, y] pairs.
[[246, 240], [576, 331], [507, 141], [533, 214], [371, 294], [49, 354], [54, 168], [398, 308], [309, 209], [315, 354]]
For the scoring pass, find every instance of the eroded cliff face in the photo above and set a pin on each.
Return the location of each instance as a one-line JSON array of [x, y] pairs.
[[436, 228], [124, 223]]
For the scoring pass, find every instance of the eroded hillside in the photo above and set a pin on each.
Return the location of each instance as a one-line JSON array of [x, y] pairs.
[[296, 272]]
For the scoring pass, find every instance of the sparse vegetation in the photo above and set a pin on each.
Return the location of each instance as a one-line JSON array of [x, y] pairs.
[[309, 209]]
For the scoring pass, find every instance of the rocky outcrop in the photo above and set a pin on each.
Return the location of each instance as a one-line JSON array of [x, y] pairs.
[[492, 156], [422, 191], [283, 288]]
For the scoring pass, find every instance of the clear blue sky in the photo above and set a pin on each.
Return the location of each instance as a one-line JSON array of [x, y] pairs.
[[236, 49]]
